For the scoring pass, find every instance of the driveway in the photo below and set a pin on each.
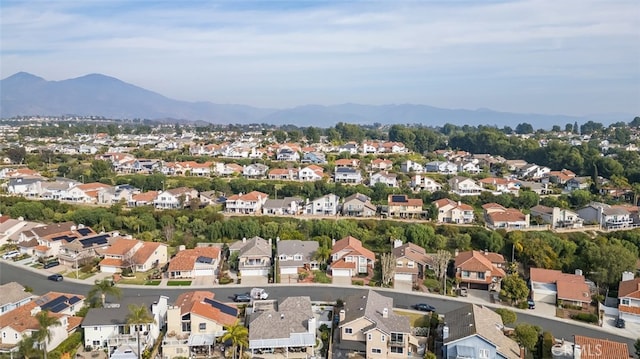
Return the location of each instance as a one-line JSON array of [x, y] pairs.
[[341, 280], [254, 280], [630, 328], [403, 285], [202, 281]]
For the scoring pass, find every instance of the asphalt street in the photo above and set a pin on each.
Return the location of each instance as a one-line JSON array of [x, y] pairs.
[[40, 285]]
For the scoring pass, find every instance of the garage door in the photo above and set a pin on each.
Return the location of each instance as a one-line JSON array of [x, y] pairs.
[[254, 272], [288, 270], [341, 272], [203, 272], [403, 277], [544, 297]]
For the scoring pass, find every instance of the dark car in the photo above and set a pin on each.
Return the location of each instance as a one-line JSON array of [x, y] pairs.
[[240, 298], [55, 277], [619, 323], [532, 304], [51, 264], [423, 307]]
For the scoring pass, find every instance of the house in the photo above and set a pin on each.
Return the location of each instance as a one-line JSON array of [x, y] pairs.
[[311, 173], [589, 348], [496, 216], [106, 328], [476, 331], [83, 250], [557, 288], [195, 322], [464, 186], [447, 168], [117, 194], [606, 216], [369, 327], [86, 192], [250, 203], [22, 321], [256, 170], [560, 177], [283, 206], [288, 325], [143, 199], [533, 171], [411, 262], [349, 258], [295, 255], [194, 263], [287, 154], [557, 217], [175, 198], [347, 162], [381, 164], [386, 178], [411, 166], [577, 183], [480, 270], [350, 147], [283, 174], [56, 190], [13, 296], [469, 167], [317, 158], [254, 257], [629, 298], [358, 205], [347, 175], [24, 186], [422, 183], [400, 205], [10, 228], [500, 185], [326, 205], [133, 254], [51, 237], [450, 211]]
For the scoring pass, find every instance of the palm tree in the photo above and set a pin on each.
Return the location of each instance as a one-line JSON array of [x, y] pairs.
[[139, 315], [102, 288], [239, 336], [26, 348], [43, 335], [322, 254]]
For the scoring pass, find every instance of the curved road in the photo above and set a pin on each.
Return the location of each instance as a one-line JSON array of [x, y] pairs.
[[40, 285]]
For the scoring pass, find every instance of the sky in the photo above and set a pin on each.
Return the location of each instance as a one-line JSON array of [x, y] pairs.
[[572, 57]]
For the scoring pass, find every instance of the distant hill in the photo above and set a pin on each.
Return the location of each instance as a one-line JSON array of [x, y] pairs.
[[100, 95]]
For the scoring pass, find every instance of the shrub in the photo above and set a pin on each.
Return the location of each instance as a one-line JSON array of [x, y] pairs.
[[321, 277], [585, 317], [225, 280], [357, 282], [433, 284], [69, 345]]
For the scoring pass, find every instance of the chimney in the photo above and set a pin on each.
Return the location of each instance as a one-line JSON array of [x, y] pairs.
[[627, 276], [342, 314], [578, 272], [35, 310], [456, 252], [397, 243], [270, 242], [522, 353], [244, 239], [445, 332], [486, 251], [311, 325], [333, 242], [385, 312]]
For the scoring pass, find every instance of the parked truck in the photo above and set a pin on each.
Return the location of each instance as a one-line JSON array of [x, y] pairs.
[[259, 294]]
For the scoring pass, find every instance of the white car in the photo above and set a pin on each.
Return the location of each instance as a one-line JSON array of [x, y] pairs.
[[10, 254]]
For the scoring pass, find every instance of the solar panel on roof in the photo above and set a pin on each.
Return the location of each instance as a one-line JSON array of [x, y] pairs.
[[58, 308], [205, 260], [56, 305], [84, 231], [222, 307], [96, 240], [74, 300], [398, 198]]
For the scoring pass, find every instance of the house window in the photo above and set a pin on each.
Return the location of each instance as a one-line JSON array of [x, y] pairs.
[[376, 350], [480, 275], [397, 338], [348, 331], [369, 336], [383, 338], [625, 301], [96, 343], [297, 257], [483, 354], [410, 264], [203, 326], [399, 264], [465, 274], [397, 350], [283, 257]]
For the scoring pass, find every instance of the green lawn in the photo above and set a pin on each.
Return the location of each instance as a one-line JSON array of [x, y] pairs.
[[175, 283], [415, 319], [152, 282], [81, 275], [140, 278]]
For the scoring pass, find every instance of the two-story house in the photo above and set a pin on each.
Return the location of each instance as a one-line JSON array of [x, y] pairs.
[[475, 331], [256, 170], [287, 154], [50, 238], [554, 287], [347, 162], [480, 270], [254, 258], [629, 298], [368, 326], [349, 258], [86, 192], [499, 185], [250, 203], [606, 215], [450, 211], [13, 296], [314, 157], [423, 183], [400, 205], [411, 263], [441, 167], [381, 164], [384, 177], [175, 198], [347, 175], [464, 186], [409, 166], [136, 255], [326, 205], [83, 250], [358, 205], [195, 263], [311, 173], [557, 217], [195, 322], [283, 174], [107, 327], [283, 206], [497, 216], [294, 255], [288, 326], [576, 183]]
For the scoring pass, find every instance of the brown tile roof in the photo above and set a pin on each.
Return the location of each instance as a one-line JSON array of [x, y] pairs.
[[111, 262], [180, 191], [121, 246], [193, 302], [145, 197], [342, 264], [509, 215], [629, 289], [53, 229], [354, 245], [251, 196], [143, 253], [185, 260], [347, 162], [412, 252], [493, 206], [476, 261], [593, 348], [573, 290], [20, 319], [446, 201], [416, 202], [542, 275], [282, 171], [94, 186]]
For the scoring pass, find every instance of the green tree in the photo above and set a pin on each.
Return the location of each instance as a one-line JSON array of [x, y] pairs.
[[238, 334], [636, 345], [100, 170], [139, 316], [514, 288], [322, 255], [16, 155], [524, 128], [527, 335], [280, 136], [27, 347], [100, 290], [508, 316], [43, 334]]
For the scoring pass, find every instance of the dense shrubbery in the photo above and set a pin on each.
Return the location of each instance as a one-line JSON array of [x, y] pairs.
[[69, 345], [585, 317]]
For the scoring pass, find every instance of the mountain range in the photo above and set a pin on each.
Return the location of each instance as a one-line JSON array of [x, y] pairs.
[[24, 94]]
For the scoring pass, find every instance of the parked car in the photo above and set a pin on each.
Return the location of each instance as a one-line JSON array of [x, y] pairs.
[[242, 298], [10, 255], [424, 307], [51, 264], [56, 277], [259, 294], [462, 292], [531, 303], [619, 323]]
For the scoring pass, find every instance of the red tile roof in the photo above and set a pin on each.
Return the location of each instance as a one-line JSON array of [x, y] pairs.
[[592, 348], [573, 290], [629, 289], [354, 245], [185, 260], [145, 197], [193, 302], [476, 261], [143, 253], [121, 246]]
